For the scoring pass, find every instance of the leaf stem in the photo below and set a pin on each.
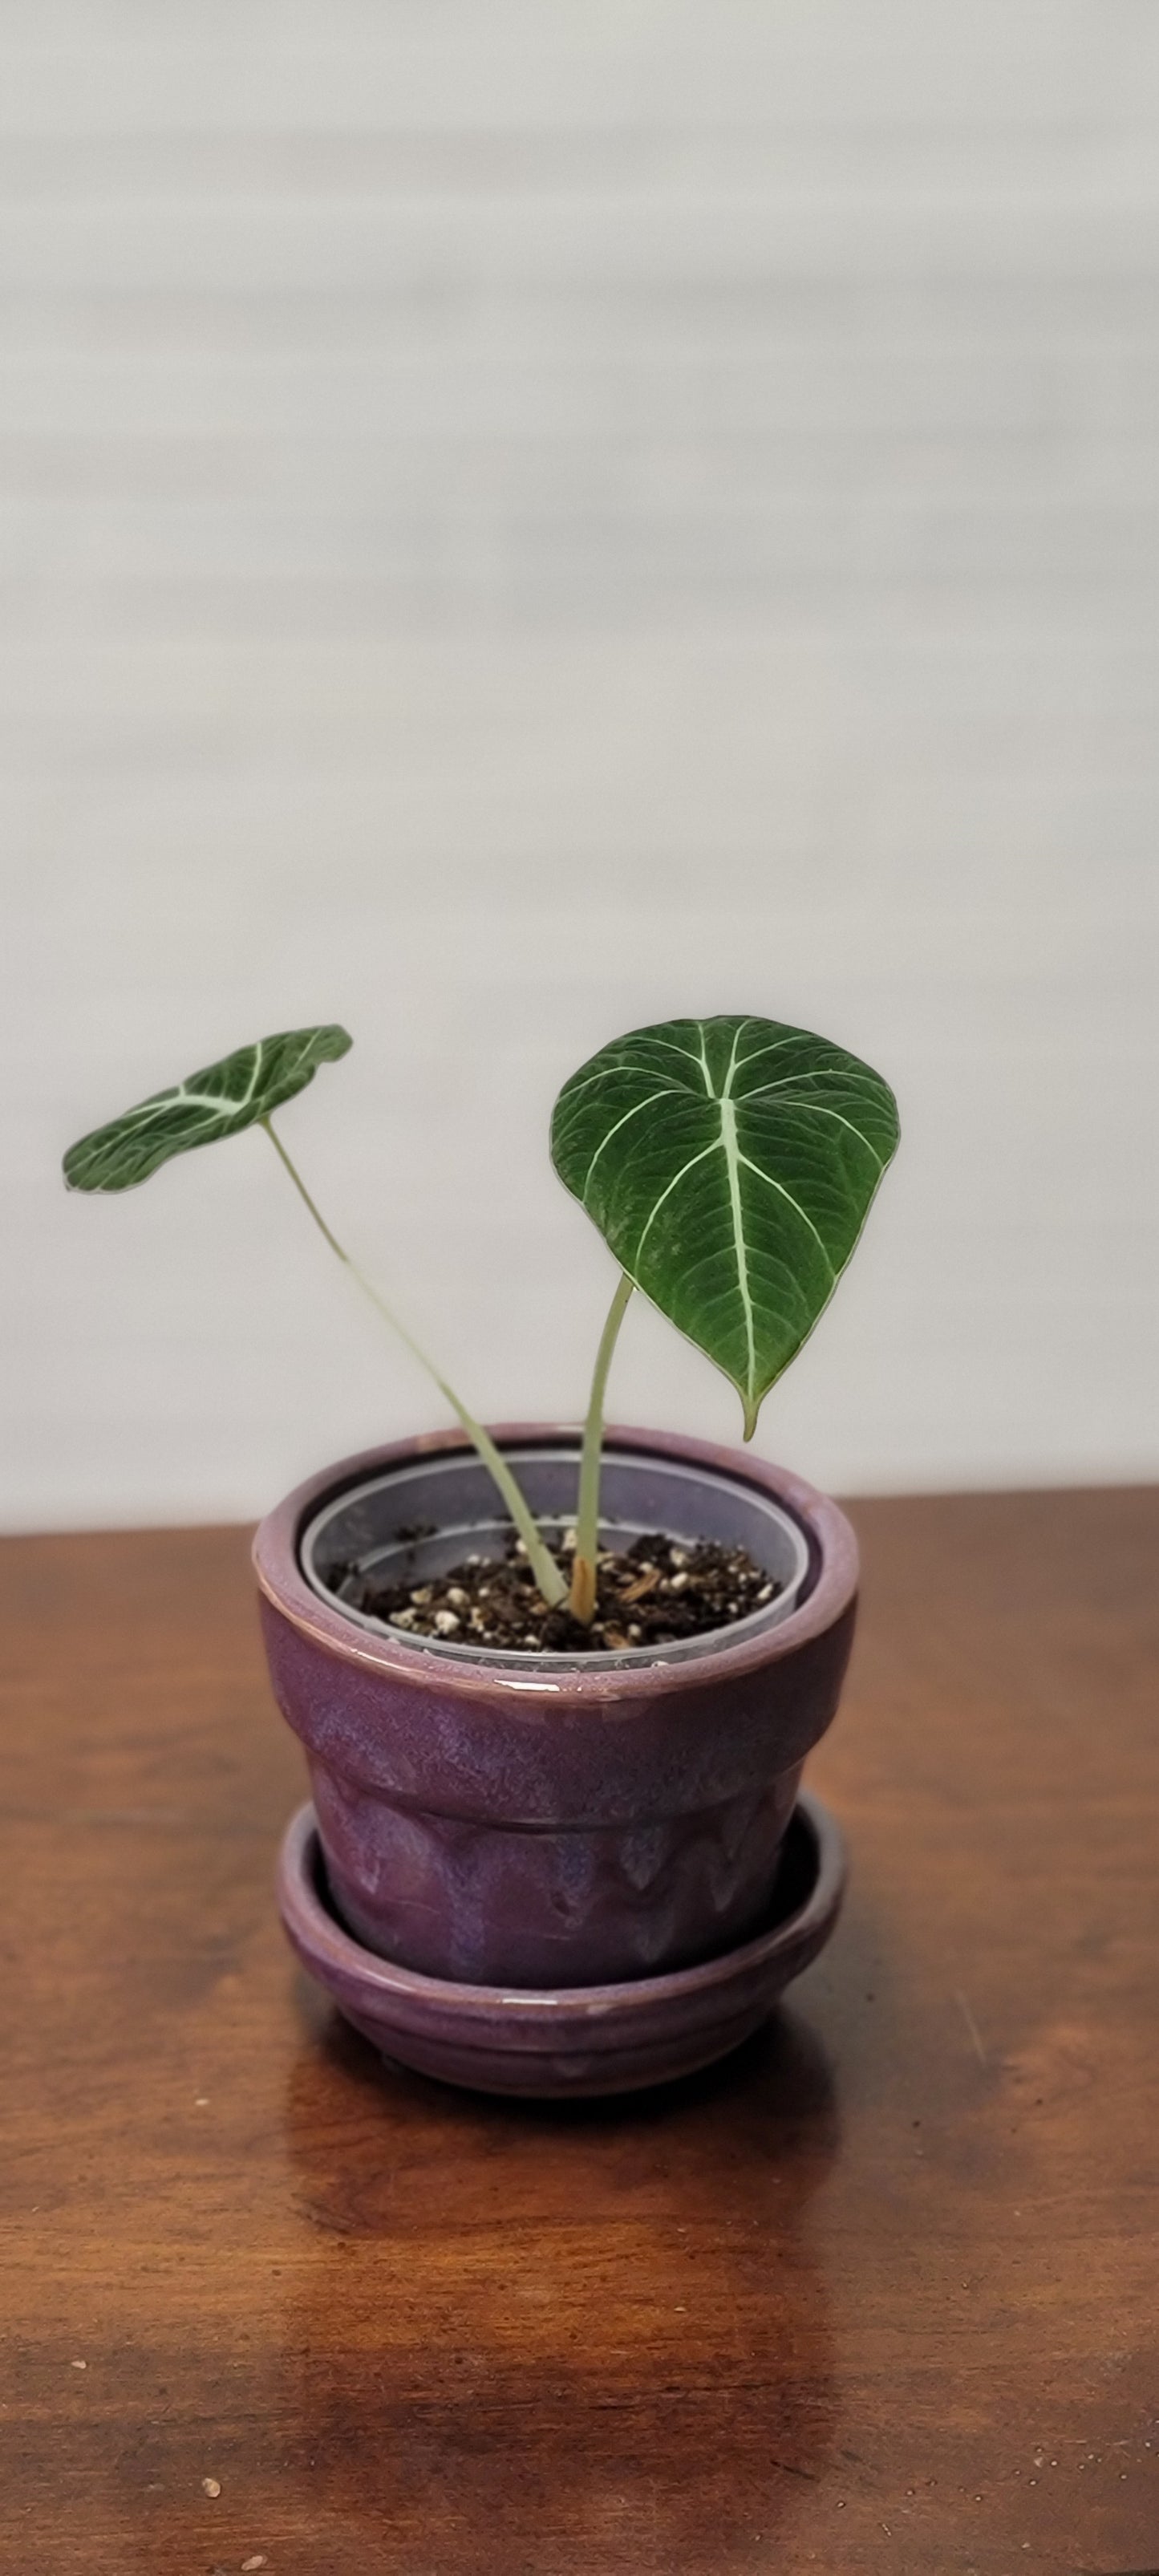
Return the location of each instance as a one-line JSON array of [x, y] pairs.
[[582, 1598], [543, 1565]]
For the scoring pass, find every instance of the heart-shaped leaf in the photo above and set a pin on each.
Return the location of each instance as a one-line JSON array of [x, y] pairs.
[[730, 1164], [220, 1101]]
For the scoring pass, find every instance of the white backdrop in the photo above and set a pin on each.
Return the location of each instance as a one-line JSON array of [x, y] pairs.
[[526, 520]]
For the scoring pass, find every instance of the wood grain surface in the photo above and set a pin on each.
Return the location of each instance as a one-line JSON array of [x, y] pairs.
[[879, 2294]]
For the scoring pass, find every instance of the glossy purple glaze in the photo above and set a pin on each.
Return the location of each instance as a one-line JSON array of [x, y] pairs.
[[579, 2040], [501, 1828]]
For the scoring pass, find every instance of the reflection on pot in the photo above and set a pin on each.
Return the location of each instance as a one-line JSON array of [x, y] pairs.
[[516, 2313]]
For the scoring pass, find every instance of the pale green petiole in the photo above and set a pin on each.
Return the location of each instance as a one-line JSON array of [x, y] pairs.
[[542, 1563], [582, 1599]]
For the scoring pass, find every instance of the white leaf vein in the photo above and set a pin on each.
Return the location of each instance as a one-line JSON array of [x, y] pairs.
[[795, 1204], [609, 1132], [674, 1183], [819, 1109]]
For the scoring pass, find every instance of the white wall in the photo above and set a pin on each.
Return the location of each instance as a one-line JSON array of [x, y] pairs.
[[517, 521]]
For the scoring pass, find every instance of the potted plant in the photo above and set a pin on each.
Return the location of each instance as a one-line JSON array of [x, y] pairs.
[[556, 1686]]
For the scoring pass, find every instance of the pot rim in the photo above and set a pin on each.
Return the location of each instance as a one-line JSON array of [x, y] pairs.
[[557, 1660], [284, 1585]]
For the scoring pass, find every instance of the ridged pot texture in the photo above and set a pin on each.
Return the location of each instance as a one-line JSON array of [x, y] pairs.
[[529, 1823]]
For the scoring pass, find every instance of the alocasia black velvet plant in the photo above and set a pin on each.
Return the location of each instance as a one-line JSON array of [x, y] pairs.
[[729, 1163]]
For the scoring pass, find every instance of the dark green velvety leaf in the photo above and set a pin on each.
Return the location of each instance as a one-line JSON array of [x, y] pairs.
[[219, 1101], [730, 1164]]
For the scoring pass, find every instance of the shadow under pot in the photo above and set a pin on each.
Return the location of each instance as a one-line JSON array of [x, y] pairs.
[[545, 1820]]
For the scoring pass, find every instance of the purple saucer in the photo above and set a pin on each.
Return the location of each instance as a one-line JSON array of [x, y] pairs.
[[576, 2039]]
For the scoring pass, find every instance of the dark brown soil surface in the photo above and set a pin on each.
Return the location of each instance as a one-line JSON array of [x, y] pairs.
[[646, 1595]]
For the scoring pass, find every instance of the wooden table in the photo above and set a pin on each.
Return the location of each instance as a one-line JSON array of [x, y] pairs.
[[879, 2294]]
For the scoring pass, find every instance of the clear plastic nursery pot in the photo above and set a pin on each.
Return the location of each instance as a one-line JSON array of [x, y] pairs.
[[546, 1820]]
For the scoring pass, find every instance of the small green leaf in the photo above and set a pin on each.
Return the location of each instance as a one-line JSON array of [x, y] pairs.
[[220, 1101], [730, 1164]]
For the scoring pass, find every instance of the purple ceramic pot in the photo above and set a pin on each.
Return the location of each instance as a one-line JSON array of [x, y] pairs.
[[538, 1820]]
